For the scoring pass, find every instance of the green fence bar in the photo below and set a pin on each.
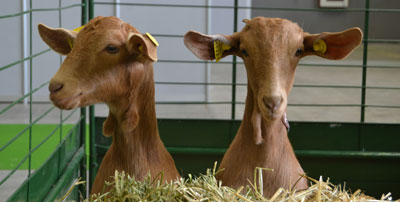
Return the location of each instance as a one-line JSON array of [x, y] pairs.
[[39, 10], [93, 154], [30, 96], [320, 65], [359, 10], [24, 59], [23, 97], [74, 163], [56, 150], [85, 166], [91, 9], [299, 153], [295, 86], [234, 58], [26, 128], [292, 105], [365, 60], [92, 128], [25, 191], [42, 142], [29, 155]]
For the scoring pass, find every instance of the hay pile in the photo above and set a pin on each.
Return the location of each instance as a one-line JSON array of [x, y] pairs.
[[207, 188]]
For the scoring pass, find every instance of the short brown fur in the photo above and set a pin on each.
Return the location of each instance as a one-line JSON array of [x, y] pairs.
[[124, 81], [271, 49]]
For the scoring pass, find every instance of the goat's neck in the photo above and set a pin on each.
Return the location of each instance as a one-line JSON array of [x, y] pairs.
[[136, 148], [273, 131], [273, 151], [132, 120]]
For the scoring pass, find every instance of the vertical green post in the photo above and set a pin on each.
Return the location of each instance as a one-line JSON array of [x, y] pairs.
[[235, 18], [84, 12], [84, 169], [91, 9], [61, 116], [30, 97], [93, 154], [365, 60]]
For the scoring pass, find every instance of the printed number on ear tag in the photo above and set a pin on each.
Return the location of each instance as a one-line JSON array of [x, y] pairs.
[[219, 48], [320, 46], [152, 39]]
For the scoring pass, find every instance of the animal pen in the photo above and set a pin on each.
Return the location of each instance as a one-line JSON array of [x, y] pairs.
[[353, 140]]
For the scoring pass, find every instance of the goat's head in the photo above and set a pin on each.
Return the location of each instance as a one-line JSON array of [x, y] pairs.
[[271, 48], [96, 66]]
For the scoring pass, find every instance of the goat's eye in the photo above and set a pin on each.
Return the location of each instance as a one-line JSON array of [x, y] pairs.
[[112, 49], [244, 52], [299, 51]]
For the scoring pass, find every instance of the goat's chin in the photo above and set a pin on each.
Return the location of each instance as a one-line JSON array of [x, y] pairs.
[[271, 116], [66, 103]]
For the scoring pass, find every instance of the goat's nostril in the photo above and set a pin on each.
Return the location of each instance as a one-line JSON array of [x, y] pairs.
[[55, 86], [272, 103]]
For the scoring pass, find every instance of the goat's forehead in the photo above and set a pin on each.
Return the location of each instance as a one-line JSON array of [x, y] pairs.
[[100, 36], [268, 28], [100, 25], [109, 30], [104, 22]]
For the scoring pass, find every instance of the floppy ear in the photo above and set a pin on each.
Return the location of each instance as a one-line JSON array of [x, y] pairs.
[[59, 39], [332, 46], [204, 46], [141, 44]]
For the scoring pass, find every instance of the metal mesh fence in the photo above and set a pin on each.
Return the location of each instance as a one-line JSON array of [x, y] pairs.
[[30, 165]]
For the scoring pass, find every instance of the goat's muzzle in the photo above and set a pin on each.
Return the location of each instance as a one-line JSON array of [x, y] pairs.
[[272, 104], [55, 86]]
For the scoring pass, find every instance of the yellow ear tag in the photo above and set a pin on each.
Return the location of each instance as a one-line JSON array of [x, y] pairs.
[[79, 28], [76, 30], [152, 39], [219, 48], [320, 46]]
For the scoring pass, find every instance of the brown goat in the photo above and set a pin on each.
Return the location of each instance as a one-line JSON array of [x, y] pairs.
[[110, 61], [271, 49]]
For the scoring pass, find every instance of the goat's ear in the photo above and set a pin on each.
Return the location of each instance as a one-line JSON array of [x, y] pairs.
[[334, 46], [205, 46], [59, 39], [142, 44]]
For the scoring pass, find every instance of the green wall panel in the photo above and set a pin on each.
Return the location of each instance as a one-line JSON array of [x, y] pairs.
[[380, 137], [43, 179], [334, 150], [71, 145], [329, 136], [197, 133]]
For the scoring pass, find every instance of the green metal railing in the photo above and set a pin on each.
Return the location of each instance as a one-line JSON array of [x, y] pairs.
[[88, 168], [66, 163], [364, 66], [227, 128]]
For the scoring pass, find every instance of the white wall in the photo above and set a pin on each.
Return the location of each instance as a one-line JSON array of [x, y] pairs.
[[12, 46], [156, 20]]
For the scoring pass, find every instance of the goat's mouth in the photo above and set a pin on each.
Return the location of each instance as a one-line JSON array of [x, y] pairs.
[[272, 114], [66, 103]]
